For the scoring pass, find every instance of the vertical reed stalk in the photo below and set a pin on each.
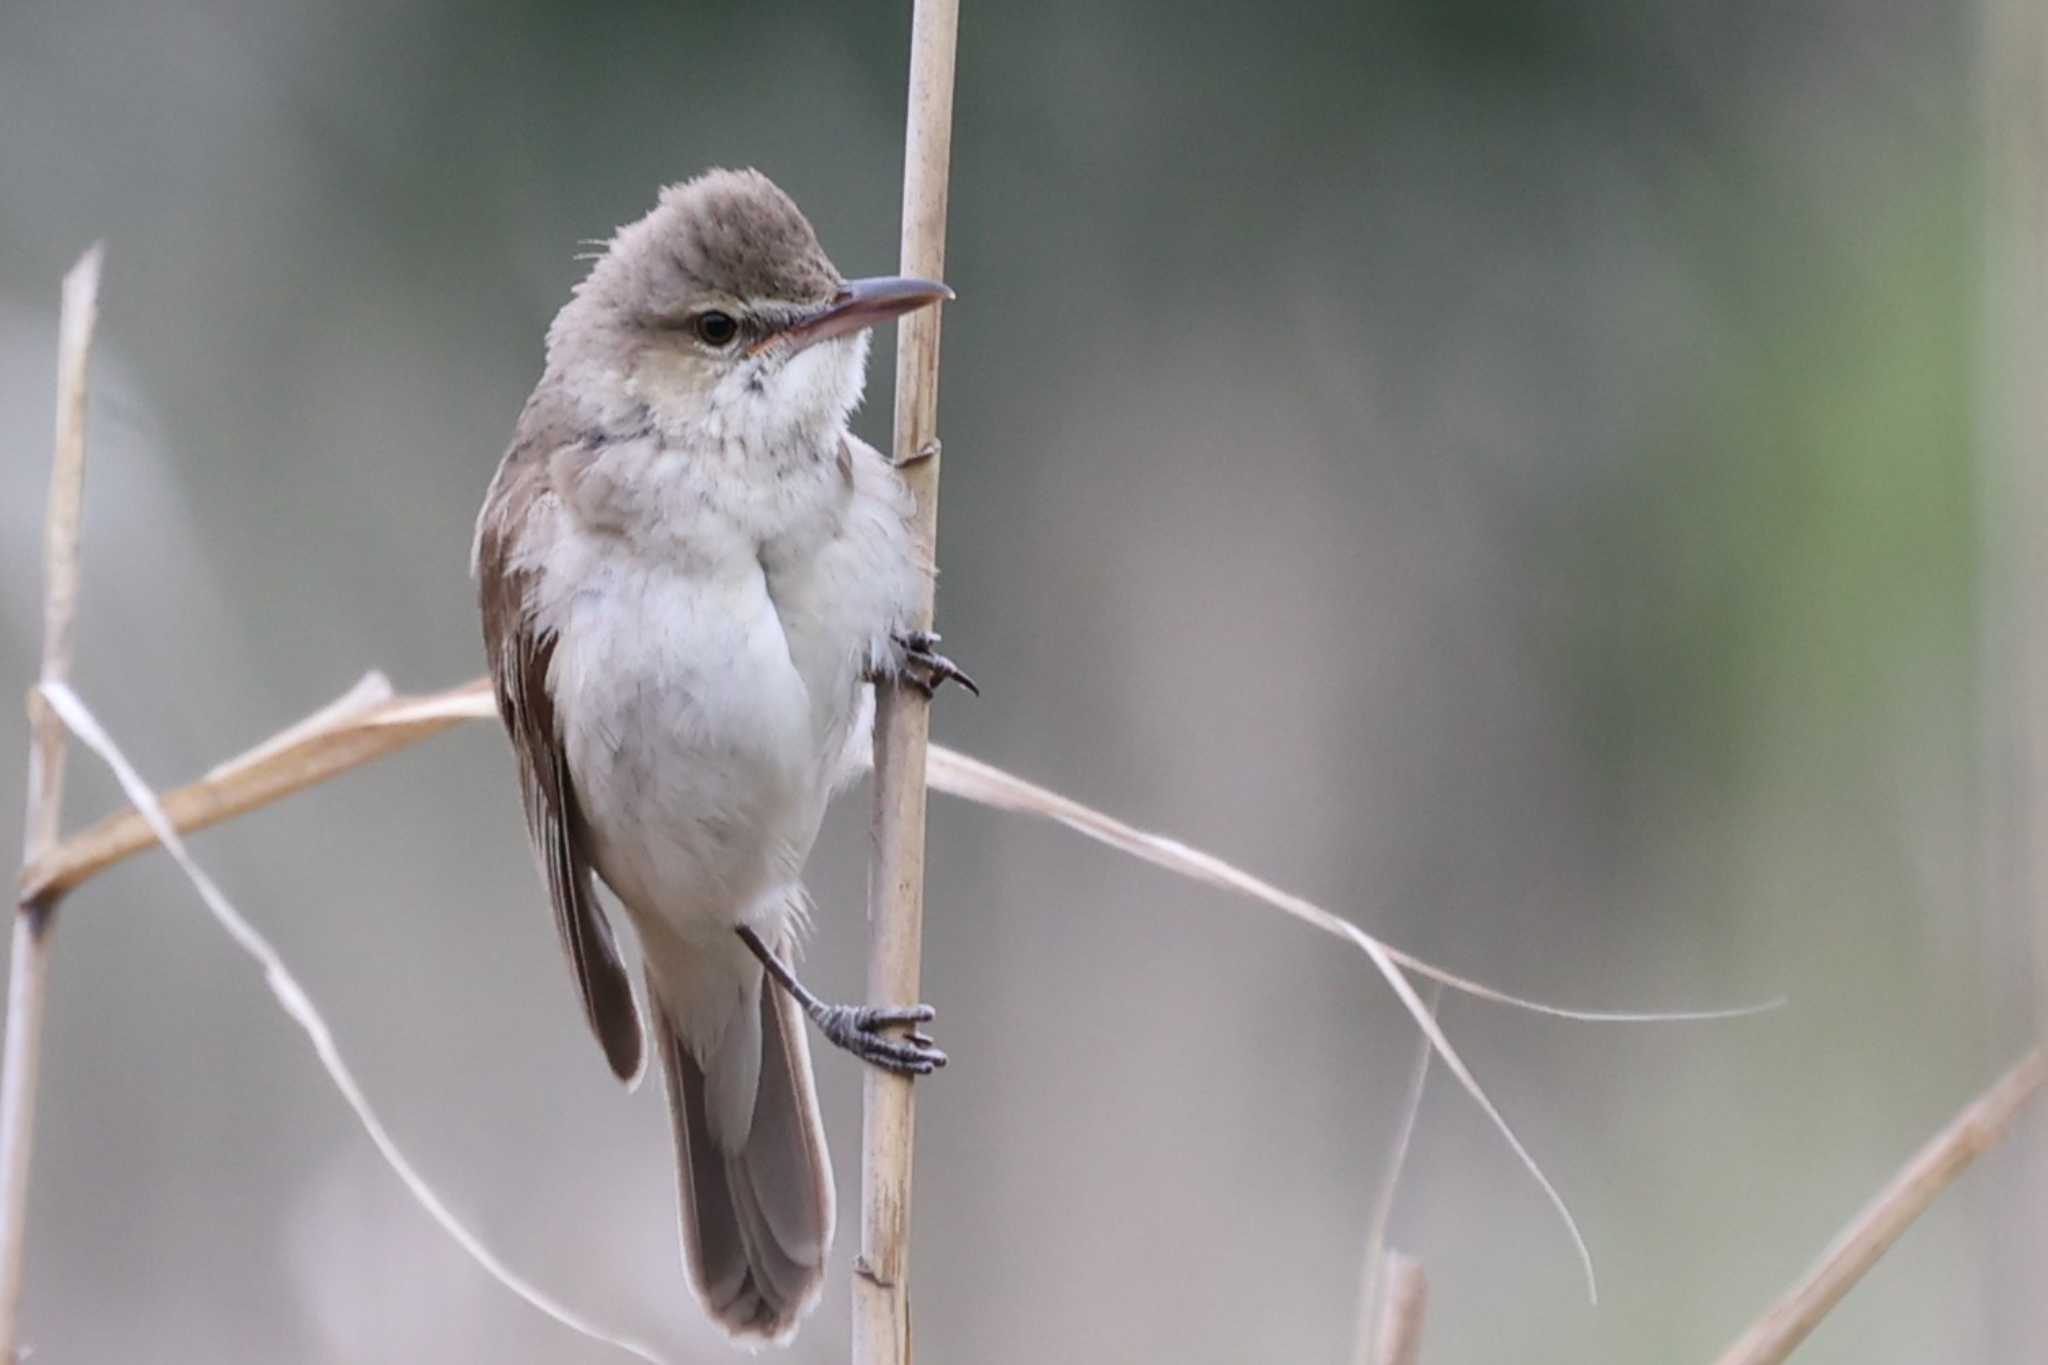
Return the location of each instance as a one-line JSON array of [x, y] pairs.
[[28, 972], [1406, 1302], [1375, 1303], [881, 1291]]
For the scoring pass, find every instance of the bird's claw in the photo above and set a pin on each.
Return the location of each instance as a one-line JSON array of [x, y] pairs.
[[858, 1029], [925, 668]]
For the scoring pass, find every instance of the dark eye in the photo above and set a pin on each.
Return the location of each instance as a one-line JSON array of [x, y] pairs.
[[714, 328]]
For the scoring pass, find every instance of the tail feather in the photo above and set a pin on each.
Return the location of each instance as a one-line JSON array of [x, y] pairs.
[[755, 1188]]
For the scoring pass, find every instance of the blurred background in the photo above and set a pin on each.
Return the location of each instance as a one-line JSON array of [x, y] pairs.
[[1506, 470]]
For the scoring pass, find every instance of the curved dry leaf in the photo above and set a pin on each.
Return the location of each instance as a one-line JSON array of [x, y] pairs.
[[369, 722], [299, 1007]]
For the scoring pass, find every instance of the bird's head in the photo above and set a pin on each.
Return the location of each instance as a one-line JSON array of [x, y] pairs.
[[720, 312]]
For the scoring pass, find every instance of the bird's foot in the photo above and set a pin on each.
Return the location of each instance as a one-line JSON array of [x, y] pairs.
[[858, 1029], [927, 670]]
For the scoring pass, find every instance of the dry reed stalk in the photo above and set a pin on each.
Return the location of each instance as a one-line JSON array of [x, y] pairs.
[[1375, 1283], [881, 1291], [1401, 1313], [29, 966], [1775, 1335], [365, 725], [369, 723]]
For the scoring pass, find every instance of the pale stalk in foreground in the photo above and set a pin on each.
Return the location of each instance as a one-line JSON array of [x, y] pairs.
[[1775, 1335], [29, 966], [1375, 1292], [1402, 1311], [881, 1292]]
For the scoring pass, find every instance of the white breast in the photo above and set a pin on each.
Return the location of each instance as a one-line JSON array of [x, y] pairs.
[[708, 693]]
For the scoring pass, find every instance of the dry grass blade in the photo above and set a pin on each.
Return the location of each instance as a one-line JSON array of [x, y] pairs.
[[1455, 1064], [362, 727], [1774, 1336], [956, 774], [292, 997], [371, 691], [368, 724], [29, 965]]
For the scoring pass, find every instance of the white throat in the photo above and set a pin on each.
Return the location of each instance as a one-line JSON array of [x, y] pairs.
[[772, 409], [756, 458]]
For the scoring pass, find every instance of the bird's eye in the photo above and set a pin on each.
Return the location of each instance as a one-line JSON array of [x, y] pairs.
[[715, 328]]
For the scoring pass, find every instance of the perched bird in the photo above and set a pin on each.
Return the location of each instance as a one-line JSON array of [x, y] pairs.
[[690, 574]]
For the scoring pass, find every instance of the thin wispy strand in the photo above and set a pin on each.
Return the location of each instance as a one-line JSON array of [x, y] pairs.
[[298, 1006], [369, 722]]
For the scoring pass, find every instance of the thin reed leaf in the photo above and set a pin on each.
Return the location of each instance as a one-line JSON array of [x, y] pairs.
[[368, 723]]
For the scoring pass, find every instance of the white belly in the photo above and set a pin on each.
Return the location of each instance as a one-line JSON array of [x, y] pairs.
[[693, 741], [707, 704]]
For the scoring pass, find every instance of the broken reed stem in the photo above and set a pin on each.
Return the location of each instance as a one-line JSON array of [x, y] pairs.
[[1774, 1336], [270, 772], [1401, 1312], [881, 1292], [29, 966], [1375, 1292]]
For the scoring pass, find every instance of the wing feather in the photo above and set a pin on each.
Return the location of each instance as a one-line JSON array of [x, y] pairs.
[[519, 657]]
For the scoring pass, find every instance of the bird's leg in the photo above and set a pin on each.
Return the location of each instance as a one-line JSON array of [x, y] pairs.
[[858, 1028], [925, 668]]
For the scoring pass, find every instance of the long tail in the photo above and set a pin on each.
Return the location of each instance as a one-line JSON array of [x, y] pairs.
[[754, 1181]]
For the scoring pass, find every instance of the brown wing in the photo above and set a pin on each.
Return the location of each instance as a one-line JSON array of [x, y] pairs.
[[519, 668]]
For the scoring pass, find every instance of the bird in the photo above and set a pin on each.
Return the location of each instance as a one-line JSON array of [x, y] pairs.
[[691, 576]]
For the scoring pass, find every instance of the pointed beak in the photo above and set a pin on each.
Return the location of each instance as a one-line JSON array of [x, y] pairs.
[[859, 305]]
